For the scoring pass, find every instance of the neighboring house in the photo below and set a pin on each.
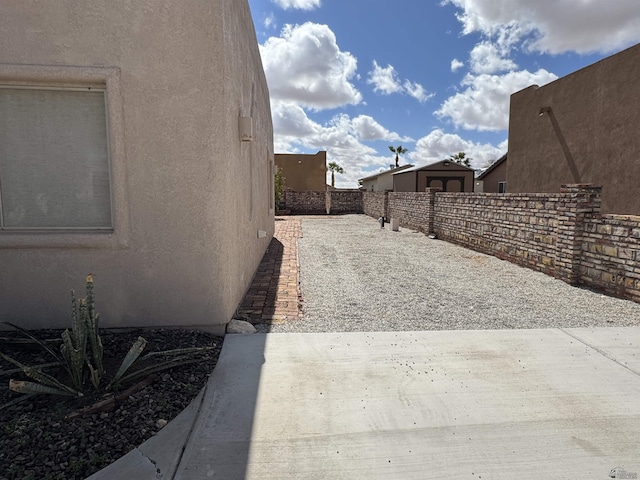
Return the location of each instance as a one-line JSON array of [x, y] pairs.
[[494, 178], [303, 172], [445, 174], [123, 154], [582, 128], [383, 181]]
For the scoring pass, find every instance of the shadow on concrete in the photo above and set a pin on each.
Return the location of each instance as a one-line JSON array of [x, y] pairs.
[[220, 444]]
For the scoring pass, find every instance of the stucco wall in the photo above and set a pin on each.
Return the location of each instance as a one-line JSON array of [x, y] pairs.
[[491, 180], [404, 182], [464, 185], [589, 135], [303, 172], [418, 180], [188, 196], [385, 182]]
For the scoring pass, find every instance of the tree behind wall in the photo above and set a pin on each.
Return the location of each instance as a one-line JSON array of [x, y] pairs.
[[461, 159], [278, 181], [334, 168], [399, 150]]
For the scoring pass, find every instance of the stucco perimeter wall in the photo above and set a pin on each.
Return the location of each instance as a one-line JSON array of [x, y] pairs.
[[187, 196], [303, 172], [589, 135], [611, 255]]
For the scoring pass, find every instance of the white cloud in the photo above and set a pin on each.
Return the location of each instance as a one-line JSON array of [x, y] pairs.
[[341, 137], [484, 104], [416, 91], [385, 80], [297, 4], [555, 26], [367, 128], [456, 65], [486, 57], [305, 65], [292, 125], [438, 145], [270, 21], [290, 120]]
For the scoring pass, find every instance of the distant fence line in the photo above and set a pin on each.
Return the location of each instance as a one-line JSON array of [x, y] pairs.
[[561, 234]]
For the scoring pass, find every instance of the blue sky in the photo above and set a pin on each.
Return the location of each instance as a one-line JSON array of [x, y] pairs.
[[354, 76]]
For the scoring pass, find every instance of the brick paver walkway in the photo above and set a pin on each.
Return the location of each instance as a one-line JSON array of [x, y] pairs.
[[274, 293]]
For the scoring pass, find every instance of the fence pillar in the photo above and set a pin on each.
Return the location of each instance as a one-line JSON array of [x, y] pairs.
[[582, 200], [431, 211]]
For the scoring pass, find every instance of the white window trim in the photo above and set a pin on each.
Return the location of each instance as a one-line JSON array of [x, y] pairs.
[[63, 77]]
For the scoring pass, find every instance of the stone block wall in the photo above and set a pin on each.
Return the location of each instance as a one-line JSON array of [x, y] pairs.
[[542, 231], [345, 202], [521, 228], [610, 258], [336, 201], [412, 209], [305, 202], [375, 204], [560, 234]]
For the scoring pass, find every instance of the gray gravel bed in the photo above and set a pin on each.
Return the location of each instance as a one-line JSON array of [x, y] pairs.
[[356, 276]]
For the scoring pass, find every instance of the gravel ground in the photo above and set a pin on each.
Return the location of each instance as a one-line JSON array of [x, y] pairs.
[[356, 276], [38, 443]]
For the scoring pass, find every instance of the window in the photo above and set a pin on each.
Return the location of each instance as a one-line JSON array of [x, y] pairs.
[[54, 158], [502, 187]]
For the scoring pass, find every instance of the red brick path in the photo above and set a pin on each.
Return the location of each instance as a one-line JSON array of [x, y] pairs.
[[274, 293]]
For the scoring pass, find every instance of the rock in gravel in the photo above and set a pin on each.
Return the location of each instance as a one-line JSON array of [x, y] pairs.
[[240, 326], [161, 423]]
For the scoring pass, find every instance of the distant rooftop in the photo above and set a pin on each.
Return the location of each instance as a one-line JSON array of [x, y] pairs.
[[392, 170]]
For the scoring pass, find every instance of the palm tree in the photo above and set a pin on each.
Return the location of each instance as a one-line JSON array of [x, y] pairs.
[[398, 151], [461, 159], [334, 167]]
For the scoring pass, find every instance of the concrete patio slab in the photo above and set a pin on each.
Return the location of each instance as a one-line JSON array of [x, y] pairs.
[[526, 404], [160, 455]]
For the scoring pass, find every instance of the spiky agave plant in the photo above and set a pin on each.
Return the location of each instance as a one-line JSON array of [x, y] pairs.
[[82, 346]]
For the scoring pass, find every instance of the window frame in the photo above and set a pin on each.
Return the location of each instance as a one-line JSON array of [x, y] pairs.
[[74, 78], [88, 88]]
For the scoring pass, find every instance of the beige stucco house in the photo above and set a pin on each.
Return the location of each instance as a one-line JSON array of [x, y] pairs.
[[494, 178], [582, 128], [445, 174], [383, 181], [136, 144], [303, 172]]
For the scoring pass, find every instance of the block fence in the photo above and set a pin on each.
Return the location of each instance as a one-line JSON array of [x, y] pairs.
[[560, 234], [331, 201], [610, 258]]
